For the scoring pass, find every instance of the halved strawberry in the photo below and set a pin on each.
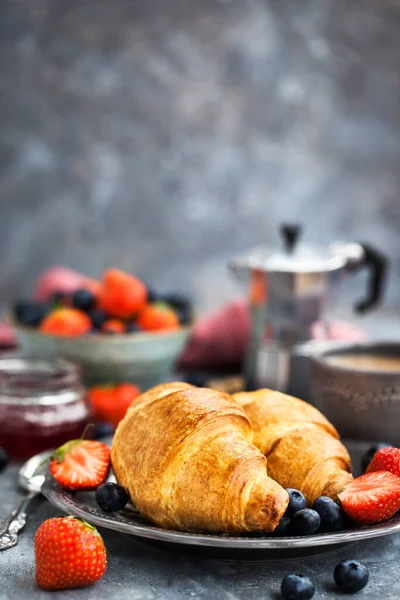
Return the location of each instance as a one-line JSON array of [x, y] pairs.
[[81, 464], [386, 459], [372, 498]]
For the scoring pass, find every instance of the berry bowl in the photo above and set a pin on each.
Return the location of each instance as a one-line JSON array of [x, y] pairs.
[[117, 329], [145, 358], [357, 387]]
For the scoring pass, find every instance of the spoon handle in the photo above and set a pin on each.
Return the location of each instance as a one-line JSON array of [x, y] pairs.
[[8, 540], [17, 519]]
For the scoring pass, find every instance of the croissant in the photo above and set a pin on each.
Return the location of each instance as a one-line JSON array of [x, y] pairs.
[[302, 447], [185, 456]]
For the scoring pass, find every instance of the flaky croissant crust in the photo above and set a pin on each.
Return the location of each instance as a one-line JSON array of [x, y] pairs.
[[302, 447], [186, 458]]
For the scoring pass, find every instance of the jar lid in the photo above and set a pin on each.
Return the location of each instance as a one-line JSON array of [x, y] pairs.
[[25, 380]]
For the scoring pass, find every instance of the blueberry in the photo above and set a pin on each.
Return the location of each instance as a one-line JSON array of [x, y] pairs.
[[30, 313], [296, 502], [297, 587], [111, 497], [182, 305], [304, 522], [283, 526], [178, 301], [152, 295], [102, 430], [98, 318], [351, 576], [184, 315], [368, 456], [20, 306], [83, 300], [3, 459], [332, 515], [132, 328]]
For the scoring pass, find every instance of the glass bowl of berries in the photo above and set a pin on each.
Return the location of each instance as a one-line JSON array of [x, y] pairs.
[[116, 329]]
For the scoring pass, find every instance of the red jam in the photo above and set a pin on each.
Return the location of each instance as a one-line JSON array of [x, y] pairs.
[[42, 405]]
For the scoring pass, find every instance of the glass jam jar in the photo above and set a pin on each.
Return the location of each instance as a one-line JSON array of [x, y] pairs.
[[42, 404]]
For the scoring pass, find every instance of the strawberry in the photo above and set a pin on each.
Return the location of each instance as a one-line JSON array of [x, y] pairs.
[[372, 498], [158, 317], [110, 403], [386, 459], [65, 321], [113, 326], [69, 553], [81, 464], [120, 294], [125, 394]]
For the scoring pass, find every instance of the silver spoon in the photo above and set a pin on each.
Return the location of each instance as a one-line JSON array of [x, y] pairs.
[[31, 477]]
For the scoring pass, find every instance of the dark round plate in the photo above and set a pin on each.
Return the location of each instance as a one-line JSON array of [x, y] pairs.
[[84, 505]]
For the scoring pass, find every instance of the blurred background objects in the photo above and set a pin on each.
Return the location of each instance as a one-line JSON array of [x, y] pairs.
[[165, 136]]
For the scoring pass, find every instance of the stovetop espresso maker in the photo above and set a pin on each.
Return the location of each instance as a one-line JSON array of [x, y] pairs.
[[288, 289]]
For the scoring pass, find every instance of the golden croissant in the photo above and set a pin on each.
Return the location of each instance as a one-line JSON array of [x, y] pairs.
[[302, 447], [185, 456]]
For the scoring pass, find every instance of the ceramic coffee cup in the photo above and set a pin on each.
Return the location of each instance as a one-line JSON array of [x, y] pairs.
[[357, 387]]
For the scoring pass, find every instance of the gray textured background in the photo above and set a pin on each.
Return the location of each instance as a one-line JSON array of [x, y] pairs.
[[164, 136]]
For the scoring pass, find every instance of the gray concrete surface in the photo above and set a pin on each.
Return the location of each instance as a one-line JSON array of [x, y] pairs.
[[138, 571]]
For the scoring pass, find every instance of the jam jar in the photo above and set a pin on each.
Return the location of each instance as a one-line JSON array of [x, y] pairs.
[[43, 404]]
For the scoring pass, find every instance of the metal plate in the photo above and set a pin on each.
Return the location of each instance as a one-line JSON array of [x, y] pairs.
[[84, 505]]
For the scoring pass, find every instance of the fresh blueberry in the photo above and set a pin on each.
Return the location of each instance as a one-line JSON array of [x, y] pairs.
[[332, 515], [20, 306], [30, 313], [368, 456], [111, 497], [297, 587], [178, 301], [282, 528], [152, 295], [3, 459], [83, 300], [98, 318], [185, 315], [296, 502], [102, 430], [304, 522], [351, 576], [132, 328], [182, 305]]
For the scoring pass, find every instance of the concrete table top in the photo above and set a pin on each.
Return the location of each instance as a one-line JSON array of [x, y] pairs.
[[139, 571]]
